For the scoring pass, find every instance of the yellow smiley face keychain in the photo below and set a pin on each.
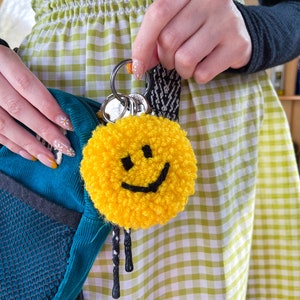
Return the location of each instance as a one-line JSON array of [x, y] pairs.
[[139, 169]]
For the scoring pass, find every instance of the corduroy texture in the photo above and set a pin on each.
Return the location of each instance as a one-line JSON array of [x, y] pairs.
[[148, 170], [62, 186]]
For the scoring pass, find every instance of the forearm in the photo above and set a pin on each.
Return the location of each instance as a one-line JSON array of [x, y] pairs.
[[274, 31]]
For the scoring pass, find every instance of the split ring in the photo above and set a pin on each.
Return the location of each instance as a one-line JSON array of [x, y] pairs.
[[114, 75]]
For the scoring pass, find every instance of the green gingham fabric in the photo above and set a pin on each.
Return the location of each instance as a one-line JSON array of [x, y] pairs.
[[239, 235]]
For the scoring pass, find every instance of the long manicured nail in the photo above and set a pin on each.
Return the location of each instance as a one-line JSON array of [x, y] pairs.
[[64, 148], [26, 155], [138, 69], [65, 122], [47, 161]]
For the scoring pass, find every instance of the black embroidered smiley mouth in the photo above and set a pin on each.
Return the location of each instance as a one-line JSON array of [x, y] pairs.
[[152, 187]]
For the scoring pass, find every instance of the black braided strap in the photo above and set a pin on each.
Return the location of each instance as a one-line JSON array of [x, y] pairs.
[[164, 94]]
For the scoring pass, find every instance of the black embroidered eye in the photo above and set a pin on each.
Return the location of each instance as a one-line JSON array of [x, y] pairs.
[[127, 163], [147, 151]]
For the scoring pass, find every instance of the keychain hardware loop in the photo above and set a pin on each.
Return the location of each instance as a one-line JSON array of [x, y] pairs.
[[124, 101], [114, 74], [117, 106], [140, 103]]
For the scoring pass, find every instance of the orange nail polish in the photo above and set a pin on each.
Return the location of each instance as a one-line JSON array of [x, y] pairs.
[[129, 68], [47, 161]]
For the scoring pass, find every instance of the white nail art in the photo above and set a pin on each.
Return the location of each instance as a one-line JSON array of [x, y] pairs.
[[63, 148], [65, 122], [138, 69]]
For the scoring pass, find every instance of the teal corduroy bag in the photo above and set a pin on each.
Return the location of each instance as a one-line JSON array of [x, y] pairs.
[[50, 230]]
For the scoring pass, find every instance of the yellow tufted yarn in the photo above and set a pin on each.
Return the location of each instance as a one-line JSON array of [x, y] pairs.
[[139, 171]]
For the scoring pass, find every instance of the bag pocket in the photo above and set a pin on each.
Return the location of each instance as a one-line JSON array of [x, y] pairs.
[[36, 237]]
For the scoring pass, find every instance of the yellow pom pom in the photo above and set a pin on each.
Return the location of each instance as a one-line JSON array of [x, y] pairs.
[[139, 171]]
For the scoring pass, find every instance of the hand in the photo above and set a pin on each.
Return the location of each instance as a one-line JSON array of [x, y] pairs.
[[24, 98], [199, 38]]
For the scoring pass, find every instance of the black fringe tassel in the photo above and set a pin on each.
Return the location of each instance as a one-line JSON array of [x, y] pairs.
[[116, 257]]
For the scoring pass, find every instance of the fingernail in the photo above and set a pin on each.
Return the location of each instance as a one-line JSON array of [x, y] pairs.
[[47, 161], [129, 68], [64, 148], [138, 69], [26, 155], [65, 122]]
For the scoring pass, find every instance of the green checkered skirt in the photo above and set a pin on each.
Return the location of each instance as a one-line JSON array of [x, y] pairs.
[[238, 237]]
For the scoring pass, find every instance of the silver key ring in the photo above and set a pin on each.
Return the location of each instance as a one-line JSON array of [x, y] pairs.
[[123, 101], [141, 104], [113, 79]]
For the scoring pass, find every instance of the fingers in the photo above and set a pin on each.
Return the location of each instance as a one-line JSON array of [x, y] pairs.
[[157, 17], [14, 107], [232, 50], [15, 148], [218, 51], [177, 32], [31, 89], [192, 52], [24, 98], [20, 141], [219, 60], [199, 38]]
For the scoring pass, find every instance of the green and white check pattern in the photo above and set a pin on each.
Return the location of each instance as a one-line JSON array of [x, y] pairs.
[[239, 235]]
